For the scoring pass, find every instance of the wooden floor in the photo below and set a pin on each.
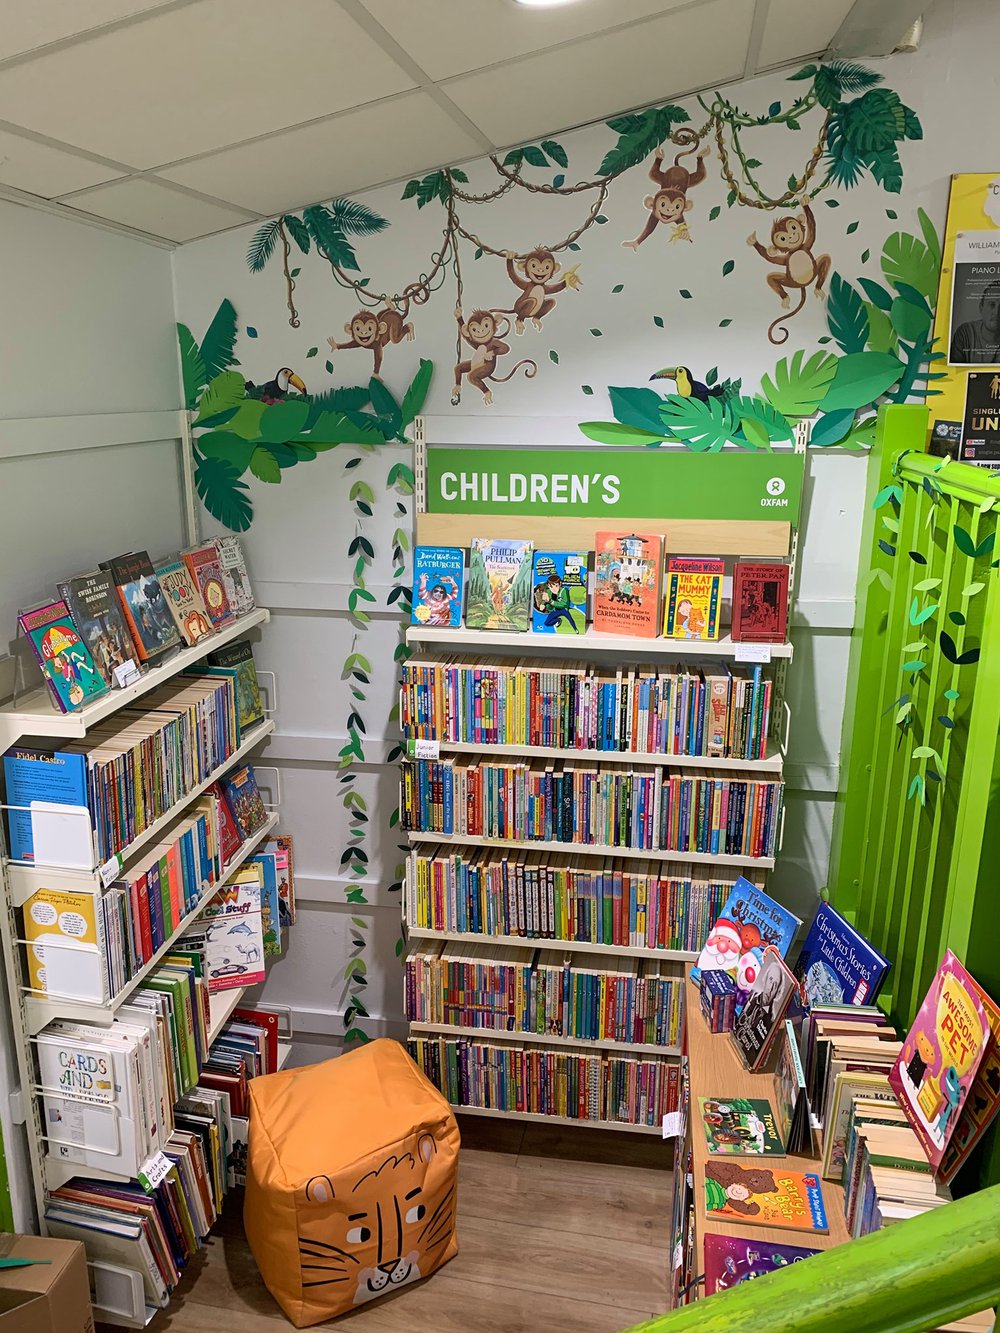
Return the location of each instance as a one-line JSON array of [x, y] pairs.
[[558, 1229]]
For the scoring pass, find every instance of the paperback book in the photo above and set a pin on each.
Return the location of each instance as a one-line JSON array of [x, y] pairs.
[[184, 601], [280, 847], [206, 569], [234, 573], [847, 1086], [763, 1013], [740, 1126], [238, 657], [764, 1196], [627, 583], [750, 921], [146, 613], [792, 1110], [760, 602], [58, 777], [559, 596], [244, 800], [438, 583], [730, 1260], [65, 660], [837, 965], [234, 935], [499, 584], [93, 603], [694, 598]]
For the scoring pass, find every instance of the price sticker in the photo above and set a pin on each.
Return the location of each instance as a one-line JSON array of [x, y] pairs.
[[423, 749], [154, 1171], [752, 652]]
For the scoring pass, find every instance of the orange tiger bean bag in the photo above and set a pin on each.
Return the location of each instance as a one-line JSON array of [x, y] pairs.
[[351, 1181]]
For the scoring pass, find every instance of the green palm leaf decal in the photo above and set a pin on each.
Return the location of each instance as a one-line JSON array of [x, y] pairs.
[[799, 386], [218, 343], [349, 216], [222, 493], [704, 427], [192, 366], [261, 245]]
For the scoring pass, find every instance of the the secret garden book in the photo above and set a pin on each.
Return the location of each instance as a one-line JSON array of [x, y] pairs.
[[499, 584], [559, 596], [764, 1196]]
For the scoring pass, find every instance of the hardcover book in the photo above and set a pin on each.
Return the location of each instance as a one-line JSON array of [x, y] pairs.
[[764, 1196], [837, 965], [150, 622], [750, 920], [184, 601], [244, 801], [64, 951], [627, 583], [280, 846], [848, 1085], [792, 1111], [694, 598], [764, 1011], [68, 668], [438, 583], [941, 1055], [760, 602], [238, 657], [740, 1126], [93, 603], [559, 595], [204, 564], [983, 1101], [730, 1260], [234, 573], [234, 937], [499, 584]]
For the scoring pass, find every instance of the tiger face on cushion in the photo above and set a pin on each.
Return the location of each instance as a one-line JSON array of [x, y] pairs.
[[375, 1235]]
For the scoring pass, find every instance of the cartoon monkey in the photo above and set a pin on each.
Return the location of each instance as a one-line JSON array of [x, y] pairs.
[[538, 294], [792, 240], [374, 330], [670, 202], [483, 334]]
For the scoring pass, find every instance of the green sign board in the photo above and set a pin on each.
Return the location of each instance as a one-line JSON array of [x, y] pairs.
[[591, 482]]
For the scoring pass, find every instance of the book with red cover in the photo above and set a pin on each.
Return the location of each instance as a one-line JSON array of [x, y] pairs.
[[229, 833], [204, 563], [760, 602], [628, 574], [269, 1022]]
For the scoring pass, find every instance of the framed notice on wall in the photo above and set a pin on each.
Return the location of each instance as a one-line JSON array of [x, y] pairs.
[[974, 337]]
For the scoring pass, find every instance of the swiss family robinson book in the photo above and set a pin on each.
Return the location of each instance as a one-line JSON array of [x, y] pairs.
[[559, 595], [627, 582], [694, 598], [68, 668], [93, 603], [438, 582], [499, 584]]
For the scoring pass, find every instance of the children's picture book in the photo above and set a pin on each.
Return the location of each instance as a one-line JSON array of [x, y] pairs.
[[234, 935], [694, 598], [280, 846], [146, 613], [68, 668], [760, 602], [940, 1057], [983, 1101], [792, 1110], [730, 1260], [836, 964], [764, 1196], [270, 913], [64, 945], [627, 583], [93, 603], [740, 1127], [438, 586], [238, 656], [244, 801], [559, 595], [763, 1013], [56, 776], [234, 573], [184, 601], [499, 584], [206, 568], [750, 920]]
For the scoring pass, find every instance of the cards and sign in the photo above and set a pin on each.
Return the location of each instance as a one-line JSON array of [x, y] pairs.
[[975, 300], [154, 1171]]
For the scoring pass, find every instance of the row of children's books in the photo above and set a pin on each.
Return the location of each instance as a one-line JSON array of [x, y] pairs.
[[586, 901], [113, 622], [512, 586], [544, 991], [722, 713], [135, 766], [588, 804], [582, 1085], [153, 1224]]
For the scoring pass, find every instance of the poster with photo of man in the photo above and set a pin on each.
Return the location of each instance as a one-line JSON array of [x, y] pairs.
[[975, 300]]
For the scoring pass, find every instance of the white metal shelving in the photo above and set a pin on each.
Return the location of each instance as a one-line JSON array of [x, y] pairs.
[[570, 946], [594, 849], [537, 1119], [771, 765], [629, 646], [542, 1039]]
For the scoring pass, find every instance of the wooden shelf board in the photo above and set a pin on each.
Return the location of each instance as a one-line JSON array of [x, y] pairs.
[[628, 645], [542, 1039], [772, 764], [555, 1119], [571, 946], [593, 849], [37, 715]]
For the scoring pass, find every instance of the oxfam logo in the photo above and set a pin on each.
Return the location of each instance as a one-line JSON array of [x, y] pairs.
[[775, 486]]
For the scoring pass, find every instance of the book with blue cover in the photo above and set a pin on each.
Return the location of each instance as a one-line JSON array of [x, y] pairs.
[[39, 775], [837, 964], [270, 908], [438, 581], [749, 921], [559, 592]]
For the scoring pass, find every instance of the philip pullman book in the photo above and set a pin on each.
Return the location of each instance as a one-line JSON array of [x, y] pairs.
[[499, 584]]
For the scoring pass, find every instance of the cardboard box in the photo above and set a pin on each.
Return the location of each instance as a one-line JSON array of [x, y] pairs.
[[52, 1297]]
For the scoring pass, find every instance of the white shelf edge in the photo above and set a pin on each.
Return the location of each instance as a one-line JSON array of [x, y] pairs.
[[773, 763], [38, 716], [26, 879], [571, 946], [581, 645], [594, 849], [39, 1011], [542, 1039], [537, 1119]]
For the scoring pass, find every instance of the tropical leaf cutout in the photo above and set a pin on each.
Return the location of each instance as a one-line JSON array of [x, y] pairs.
[[218, 343], [221, 393], [262, 244], [703, 426], [832, 428], [416, 393], [846, 316], [799, 386], [906, 258], [761, 414], [860, 378], [223, 494], [615, 432], [637, 407]]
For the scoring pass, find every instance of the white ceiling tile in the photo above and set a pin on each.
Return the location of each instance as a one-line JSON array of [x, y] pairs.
[[793, 29], [359, 148], [28, 24], [46, 171], [447, 37], [199, 77], [157, 209], [602, 75]]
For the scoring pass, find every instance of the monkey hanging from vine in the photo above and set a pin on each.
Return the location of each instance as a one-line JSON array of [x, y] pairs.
[[537, 292], [792, 239], [374, 330], [483, 334], [670, 202]]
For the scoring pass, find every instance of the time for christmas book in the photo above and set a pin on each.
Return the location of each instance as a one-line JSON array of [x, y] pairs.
[[499, 584], [694, 597], [627, 583]]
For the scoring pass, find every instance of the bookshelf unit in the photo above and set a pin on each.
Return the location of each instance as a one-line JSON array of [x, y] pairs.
[[441, 523], [33, 718]]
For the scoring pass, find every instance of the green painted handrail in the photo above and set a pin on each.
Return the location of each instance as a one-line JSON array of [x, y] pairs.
[[909, 1278]]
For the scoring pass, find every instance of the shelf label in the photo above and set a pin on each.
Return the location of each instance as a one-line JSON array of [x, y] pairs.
[[673, 1125], [110, 870], [752, 652], [126, 674], [423, 749], [678, 1255], [154, 1171]]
